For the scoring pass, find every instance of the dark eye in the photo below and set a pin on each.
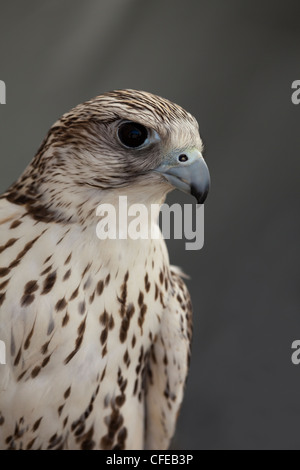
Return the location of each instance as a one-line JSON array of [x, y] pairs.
[[132, 134]]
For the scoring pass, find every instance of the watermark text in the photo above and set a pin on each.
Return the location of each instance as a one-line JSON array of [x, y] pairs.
[[296, 93], [138, 221], [2, 353], [2, 92], [296, 353]]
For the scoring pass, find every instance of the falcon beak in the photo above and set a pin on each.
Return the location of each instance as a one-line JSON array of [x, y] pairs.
[[188, 172]]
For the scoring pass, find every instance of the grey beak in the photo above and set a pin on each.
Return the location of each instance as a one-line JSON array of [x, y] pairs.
[[193, 178]]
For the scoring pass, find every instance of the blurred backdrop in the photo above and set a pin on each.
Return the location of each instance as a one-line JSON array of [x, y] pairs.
[[231, 64]]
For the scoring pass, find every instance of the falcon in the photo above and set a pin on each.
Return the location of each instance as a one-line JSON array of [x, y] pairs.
[[97, 332]]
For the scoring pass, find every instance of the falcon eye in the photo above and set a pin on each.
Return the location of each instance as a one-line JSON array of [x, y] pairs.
[[132, 134]]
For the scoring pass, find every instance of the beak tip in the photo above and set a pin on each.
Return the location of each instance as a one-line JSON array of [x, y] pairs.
[[199, 195]]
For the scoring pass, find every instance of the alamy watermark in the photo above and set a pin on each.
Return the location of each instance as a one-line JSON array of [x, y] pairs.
[[2, 353], [2, 92], [296, 93], [138, 221], [296, 354]]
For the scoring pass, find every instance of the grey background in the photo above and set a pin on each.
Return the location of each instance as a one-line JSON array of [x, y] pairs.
[[232, 65]]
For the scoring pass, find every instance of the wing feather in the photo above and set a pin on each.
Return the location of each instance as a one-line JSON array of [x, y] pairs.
[[168, 367]]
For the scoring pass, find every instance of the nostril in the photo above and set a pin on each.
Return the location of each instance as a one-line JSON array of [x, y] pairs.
[[183, 158]]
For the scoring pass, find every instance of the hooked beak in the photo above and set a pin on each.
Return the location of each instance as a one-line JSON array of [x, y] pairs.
[[188, 172]]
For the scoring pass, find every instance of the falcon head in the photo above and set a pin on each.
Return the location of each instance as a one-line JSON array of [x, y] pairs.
[[121, 140]]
